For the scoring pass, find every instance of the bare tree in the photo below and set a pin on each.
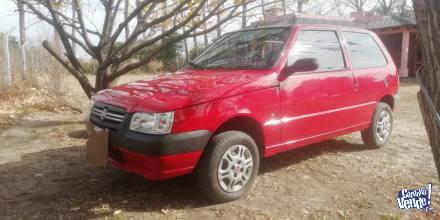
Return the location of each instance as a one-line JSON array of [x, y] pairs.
[[109, 54], [428, 23], [358, 5], [385, 7], [404, 8]]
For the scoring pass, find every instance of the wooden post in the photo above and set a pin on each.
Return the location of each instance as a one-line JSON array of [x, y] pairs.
[[8, 78], [403, 71], [427, 12]]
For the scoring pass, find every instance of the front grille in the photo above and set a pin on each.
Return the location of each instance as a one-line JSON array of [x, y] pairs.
[[107, 116]]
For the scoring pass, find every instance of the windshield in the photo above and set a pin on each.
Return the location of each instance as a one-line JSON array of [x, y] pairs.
[[257, 49]]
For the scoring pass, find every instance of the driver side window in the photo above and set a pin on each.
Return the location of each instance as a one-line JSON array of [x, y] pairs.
[[321, 46]]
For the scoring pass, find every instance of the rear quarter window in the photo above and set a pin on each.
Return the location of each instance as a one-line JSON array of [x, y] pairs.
[[364, 50]]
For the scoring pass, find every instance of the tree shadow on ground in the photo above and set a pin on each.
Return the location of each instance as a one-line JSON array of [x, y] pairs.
[[59, 183], [78, 134], [46, 123]]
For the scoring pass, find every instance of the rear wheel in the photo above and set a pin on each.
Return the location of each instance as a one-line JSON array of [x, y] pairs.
[[229, 166], [380, 128]]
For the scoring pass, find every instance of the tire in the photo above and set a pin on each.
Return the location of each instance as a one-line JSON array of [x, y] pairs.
[[219, 157], [372, 136]]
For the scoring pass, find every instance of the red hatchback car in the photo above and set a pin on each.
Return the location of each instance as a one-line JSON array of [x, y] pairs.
[[251, 94]]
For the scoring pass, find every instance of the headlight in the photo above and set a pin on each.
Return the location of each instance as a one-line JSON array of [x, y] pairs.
[[152, 123]]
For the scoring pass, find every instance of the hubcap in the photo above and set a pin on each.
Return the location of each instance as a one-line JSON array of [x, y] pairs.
[[383, 126], [235, 168]]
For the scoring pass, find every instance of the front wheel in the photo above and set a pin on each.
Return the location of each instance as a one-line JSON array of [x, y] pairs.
[[229, 166], [380, 128]]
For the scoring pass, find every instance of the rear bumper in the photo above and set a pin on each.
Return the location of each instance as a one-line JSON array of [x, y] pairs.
[[157, 157]]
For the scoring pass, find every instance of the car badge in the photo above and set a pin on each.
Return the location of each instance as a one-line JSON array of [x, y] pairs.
[[103, 114]]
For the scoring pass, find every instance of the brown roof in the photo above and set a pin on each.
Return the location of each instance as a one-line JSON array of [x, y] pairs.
[[391, 21], [368, 22]]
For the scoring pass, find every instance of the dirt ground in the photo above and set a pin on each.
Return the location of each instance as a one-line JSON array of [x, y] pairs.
[[44, 174]]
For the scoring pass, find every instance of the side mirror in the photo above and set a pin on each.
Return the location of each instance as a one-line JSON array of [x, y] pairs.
[[301, 65]]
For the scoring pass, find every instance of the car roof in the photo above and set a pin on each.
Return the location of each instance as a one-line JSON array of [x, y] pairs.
[[312, 27]]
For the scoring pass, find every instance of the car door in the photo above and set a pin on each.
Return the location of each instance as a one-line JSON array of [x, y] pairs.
[[316, 104], [369, 67]]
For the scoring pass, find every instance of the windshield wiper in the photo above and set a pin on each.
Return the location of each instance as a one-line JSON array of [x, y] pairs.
[[197, 66]]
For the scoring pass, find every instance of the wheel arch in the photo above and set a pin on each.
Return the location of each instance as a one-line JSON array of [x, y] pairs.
[[246, 124], [389, 100]]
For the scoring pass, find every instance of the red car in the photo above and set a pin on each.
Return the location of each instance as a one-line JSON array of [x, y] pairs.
[[251, 94]]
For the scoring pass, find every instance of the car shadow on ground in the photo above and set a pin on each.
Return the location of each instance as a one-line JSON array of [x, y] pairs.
[[58, 182], [298, 155]]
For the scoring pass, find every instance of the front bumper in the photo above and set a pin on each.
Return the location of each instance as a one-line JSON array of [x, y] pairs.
[[152, 156], [157, 157], [160, 145]]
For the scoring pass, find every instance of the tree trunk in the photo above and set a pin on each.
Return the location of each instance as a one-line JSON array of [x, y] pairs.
[[427, 14], [219, 28], [205, 35], [73, 28], [21, 22], [127, 29], [21, 14], [185, 47], [57, 42], [195, 45], [243, 15], [300, 6], [283, 6]]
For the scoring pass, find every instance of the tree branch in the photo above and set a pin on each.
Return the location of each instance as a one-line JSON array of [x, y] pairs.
[[157, 50], [82, 79]]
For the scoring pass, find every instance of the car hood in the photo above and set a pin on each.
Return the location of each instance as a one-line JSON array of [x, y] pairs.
[[190, 87]]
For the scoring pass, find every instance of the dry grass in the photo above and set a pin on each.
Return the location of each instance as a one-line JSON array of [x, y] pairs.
[[155, 66], [42, 94], [49, 92]]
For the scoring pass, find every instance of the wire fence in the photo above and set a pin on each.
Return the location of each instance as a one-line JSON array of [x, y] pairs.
[[26, 63]]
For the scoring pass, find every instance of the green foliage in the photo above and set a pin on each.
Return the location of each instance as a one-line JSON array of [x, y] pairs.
[[167, 55], [194, 52]]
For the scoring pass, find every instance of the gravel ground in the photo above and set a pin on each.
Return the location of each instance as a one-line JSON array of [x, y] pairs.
[[44, 174]]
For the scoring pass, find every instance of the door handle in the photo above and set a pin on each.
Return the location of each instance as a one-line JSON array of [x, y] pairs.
[[355, 84]]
